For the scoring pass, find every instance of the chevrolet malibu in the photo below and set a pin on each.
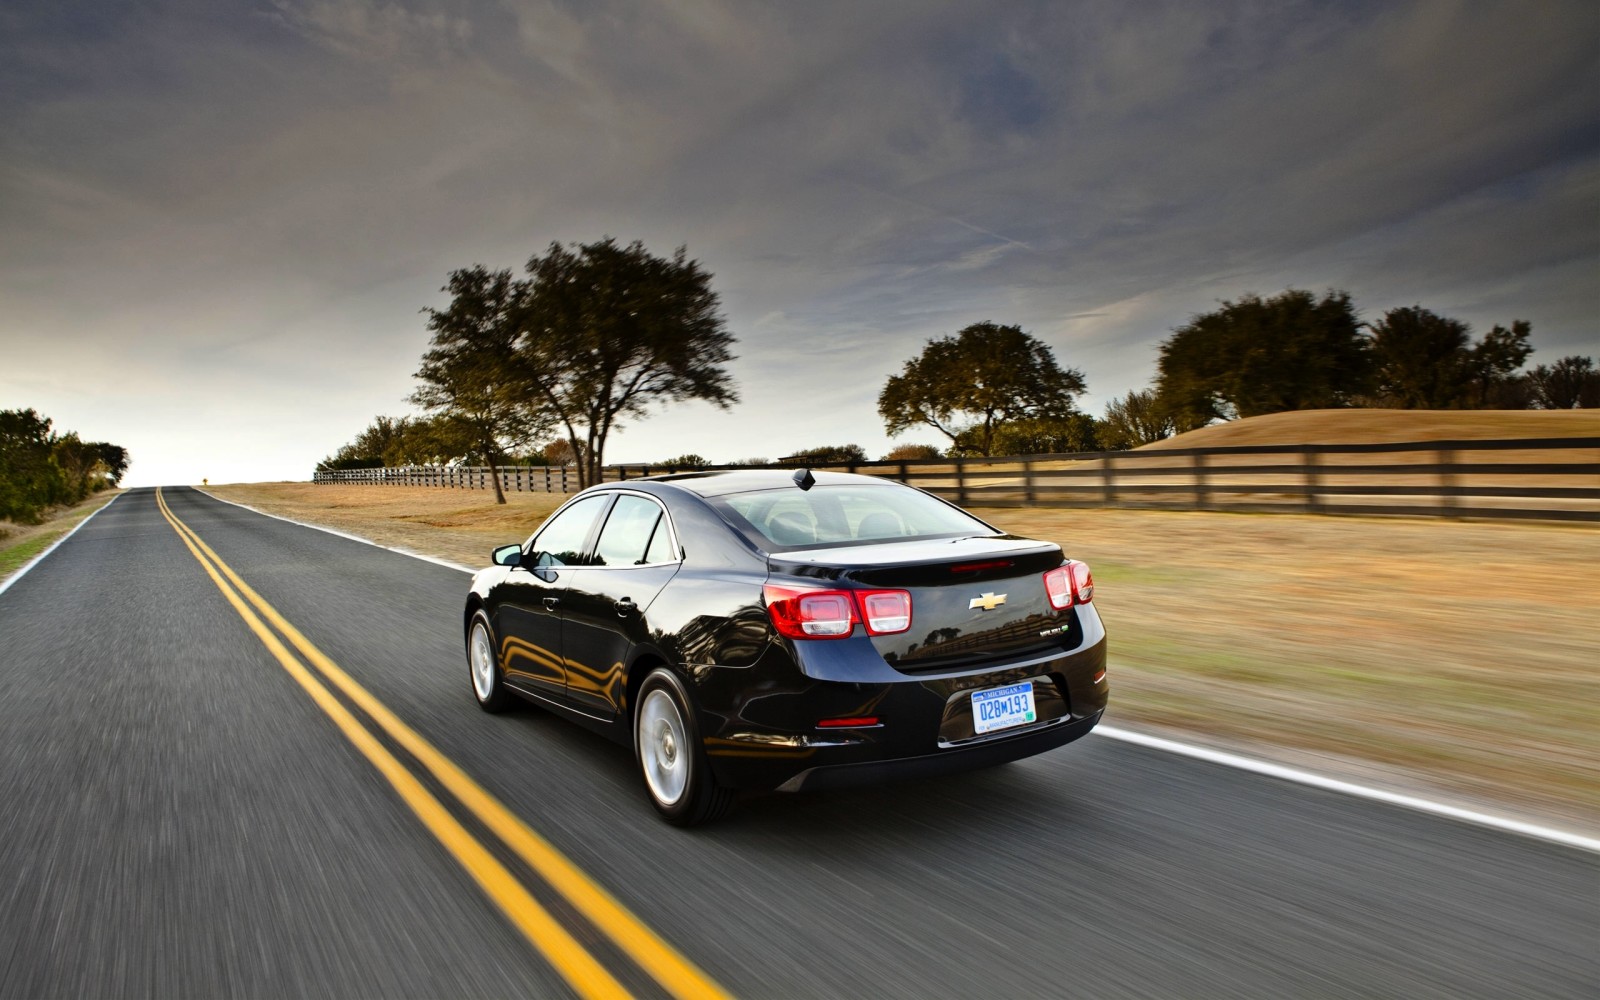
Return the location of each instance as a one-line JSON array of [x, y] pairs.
[[763, 630]]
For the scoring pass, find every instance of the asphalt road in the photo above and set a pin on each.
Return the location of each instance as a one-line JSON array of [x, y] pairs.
[[178, 818]]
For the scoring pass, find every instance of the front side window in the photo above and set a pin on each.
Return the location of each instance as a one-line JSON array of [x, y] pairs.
[[630, 535], [560, 542]]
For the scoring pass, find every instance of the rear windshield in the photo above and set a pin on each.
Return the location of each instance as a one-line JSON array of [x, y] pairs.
[[842, 515]]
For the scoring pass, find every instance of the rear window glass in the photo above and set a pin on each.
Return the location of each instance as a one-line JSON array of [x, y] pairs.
[[844, 515]]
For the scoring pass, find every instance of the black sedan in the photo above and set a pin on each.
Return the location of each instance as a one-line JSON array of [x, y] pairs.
[[766, 630]]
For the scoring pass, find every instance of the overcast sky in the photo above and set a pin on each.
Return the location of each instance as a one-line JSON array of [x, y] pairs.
[[219, 219]]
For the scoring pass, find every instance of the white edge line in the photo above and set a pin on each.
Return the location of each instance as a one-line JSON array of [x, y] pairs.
[[1261, 767], [5, 584], [342, 534], [1315, 780]]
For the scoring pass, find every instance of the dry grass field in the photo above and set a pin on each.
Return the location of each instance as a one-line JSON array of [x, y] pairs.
[[1458, 658], [1387, 427]]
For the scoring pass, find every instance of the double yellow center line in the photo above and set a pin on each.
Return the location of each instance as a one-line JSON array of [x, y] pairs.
[[586, 975]]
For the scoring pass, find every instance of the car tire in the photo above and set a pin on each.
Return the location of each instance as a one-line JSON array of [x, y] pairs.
[[484, 675], [671, 758]]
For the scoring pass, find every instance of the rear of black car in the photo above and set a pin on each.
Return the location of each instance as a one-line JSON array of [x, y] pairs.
[[907, 638]]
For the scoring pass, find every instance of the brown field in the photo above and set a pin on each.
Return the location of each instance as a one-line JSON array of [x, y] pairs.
[[1388, 427], [1457, 658]]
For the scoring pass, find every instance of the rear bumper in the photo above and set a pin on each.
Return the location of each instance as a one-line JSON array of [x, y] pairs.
[[948, 761], [772, 741]]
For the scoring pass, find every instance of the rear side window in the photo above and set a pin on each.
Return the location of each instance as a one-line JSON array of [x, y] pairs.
[[844, 515], [561, 541], [628, 538]]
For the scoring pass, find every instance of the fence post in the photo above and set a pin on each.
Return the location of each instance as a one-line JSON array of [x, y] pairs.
[[1027, 482], [1201, 498], [904, 477], [1447, 481], [961, 481], [1308, 455], [1108, 479]]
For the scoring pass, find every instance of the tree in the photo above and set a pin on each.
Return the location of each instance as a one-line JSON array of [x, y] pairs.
[[1422, 359], [988, 375], [913, 453], [1047, 435], [1139, 418], [607, 332], [1254, 356], [829, 454], [1428, 362], [1494, 361], [115, 458], [82, 472], [689, 461], [1571, 382], [471, 377], [29, 477], [40, 469], [559, 453]]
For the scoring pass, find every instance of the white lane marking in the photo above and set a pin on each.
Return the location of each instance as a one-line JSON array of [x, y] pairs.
[[5, 584], [1502, 823], [1311, 778], [354, 538]]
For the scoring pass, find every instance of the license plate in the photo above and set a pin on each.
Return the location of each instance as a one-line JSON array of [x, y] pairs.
[[1002, 708]]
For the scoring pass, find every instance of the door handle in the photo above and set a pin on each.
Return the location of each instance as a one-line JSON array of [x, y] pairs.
[[626, 606], [551, 603]]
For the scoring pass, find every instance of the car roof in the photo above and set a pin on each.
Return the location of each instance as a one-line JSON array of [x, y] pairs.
[[721, 483]]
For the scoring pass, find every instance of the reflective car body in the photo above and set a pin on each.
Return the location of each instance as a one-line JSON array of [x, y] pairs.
[[821, 629]]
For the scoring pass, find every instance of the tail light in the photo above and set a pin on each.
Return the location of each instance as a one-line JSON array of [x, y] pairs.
[[1069, 584], [885, 611], [832, 614]]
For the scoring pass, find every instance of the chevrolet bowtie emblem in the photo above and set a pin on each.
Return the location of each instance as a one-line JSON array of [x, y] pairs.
[[987, 602]]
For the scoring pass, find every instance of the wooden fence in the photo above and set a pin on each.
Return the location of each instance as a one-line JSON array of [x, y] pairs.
[[1540, 478]]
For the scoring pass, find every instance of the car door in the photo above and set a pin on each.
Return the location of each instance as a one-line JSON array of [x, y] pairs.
[[604, 608], [528, 620]]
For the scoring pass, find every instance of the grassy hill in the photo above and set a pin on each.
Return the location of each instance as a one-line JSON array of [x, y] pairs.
[[1384, 426]]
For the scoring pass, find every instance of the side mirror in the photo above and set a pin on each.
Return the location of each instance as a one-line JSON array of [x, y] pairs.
[[508, 555]]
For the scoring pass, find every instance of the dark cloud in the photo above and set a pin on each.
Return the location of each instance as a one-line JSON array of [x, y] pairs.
[[235, 211]]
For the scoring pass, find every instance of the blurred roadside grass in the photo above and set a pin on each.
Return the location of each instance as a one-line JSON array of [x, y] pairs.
[[20, 543], [1459, 656]]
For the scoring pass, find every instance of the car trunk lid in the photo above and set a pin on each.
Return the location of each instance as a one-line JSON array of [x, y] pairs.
[[974, 601]]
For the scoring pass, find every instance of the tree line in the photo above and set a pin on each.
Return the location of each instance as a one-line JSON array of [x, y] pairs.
[[544, 367], [996, 390], [40, 469]]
